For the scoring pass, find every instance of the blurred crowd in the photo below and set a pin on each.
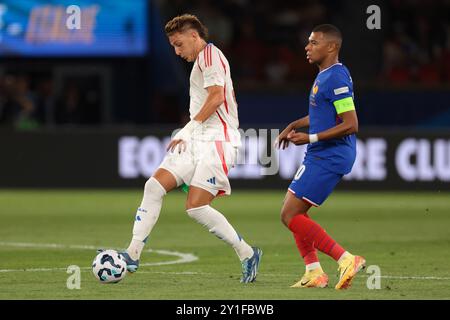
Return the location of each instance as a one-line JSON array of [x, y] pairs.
[[28, 101], [264, 41], [417, 44]]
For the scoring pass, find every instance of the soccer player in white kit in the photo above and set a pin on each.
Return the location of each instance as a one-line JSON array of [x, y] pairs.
[[200, 154]]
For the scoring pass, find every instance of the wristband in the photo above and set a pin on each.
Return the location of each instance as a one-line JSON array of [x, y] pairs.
[[313, 138]]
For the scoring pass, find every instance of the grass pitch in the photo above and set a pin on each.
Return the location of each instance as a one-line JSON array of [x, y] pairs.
[[43, 232]]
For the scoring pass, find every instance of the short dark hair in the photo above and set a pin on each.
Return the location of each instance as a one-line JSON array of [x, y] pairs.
[[185, 22], [329, 29]]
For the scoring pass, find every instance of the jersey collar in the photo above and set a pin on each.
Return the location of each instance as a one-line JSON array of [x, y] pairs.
[[336, 64]]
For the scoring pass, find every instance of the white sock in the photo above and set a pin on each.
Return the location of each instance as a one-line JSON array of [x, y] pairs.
[[218, 225], [343, 256], [146, 216], [313, 266], [135, 248]]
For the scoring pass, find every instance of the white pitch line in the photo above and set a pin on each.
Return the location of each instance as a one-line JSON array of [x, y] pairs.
[[183, 257], [412, 277], [183, 273], [368, 275]]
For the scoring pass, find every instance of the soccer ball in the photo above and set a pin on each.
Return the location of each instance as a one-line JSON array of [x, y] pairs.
[[109, 266]]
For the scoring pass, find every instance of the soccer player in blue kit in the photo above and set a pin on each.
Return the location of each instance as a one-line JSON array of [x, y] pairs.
[[330, 154]]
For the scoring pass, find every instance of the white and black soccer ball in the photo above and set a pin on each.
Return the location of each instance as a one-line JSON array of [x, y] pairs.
[[109, 266]]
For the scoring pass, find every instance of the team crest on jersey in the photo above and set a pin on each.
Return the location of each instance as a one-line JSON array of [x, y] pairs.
[[312, 96], [315, 88]]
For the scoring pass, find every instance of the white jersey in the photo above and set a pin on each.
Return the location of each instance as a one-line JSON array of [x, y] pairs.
[[211, 68]]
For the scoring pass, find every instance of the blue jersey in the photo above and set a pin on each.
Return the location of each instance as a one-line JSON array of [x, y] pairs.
[[331, 94]]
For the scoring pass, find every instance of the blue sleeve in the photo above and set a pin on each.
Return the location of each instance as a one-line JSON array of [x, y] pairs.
[[339, 86]]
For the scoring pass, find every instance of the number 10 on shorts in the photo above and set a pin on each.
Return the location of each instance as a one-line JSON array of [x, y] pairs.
[[299, 172]]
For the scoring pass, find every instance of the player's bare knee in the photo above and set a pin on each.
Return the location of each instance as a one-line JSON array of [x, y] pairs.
[[285, 217], [285, 220], [166, 179], [195, 203], [189, 205]]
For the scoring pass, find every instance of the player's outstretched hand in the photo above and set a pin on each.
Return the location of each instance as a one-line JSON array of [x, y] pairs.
[[298, 138], [178, 144], [282, 142]]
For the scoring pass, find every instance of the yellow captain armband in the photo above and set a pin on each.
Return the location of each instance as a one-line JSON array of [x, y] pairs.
[[344, 105]]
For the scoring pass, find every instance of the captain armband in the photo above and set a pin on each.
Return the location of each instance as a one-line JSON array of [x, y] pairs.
[[344, 105]]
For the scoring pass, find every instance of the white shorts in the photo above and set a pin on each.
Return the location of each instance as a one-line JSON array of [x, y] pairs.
[[204, 164]]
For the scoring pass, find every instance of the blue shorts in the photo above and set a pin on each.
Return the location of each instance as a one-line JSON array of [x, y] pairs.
[[313, 184]]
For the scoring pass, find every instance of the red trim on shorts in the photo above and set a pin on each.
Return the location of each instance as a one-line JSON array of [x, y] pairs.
[[310, 202], [219, 148]]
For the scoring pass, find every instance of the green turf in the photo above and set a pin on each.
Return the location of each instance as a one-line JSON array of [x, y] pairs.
[[405, 234]]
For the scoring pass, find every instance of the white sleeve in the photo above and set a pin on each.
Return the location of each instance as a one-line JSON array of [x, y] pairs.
[[213, 67]]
